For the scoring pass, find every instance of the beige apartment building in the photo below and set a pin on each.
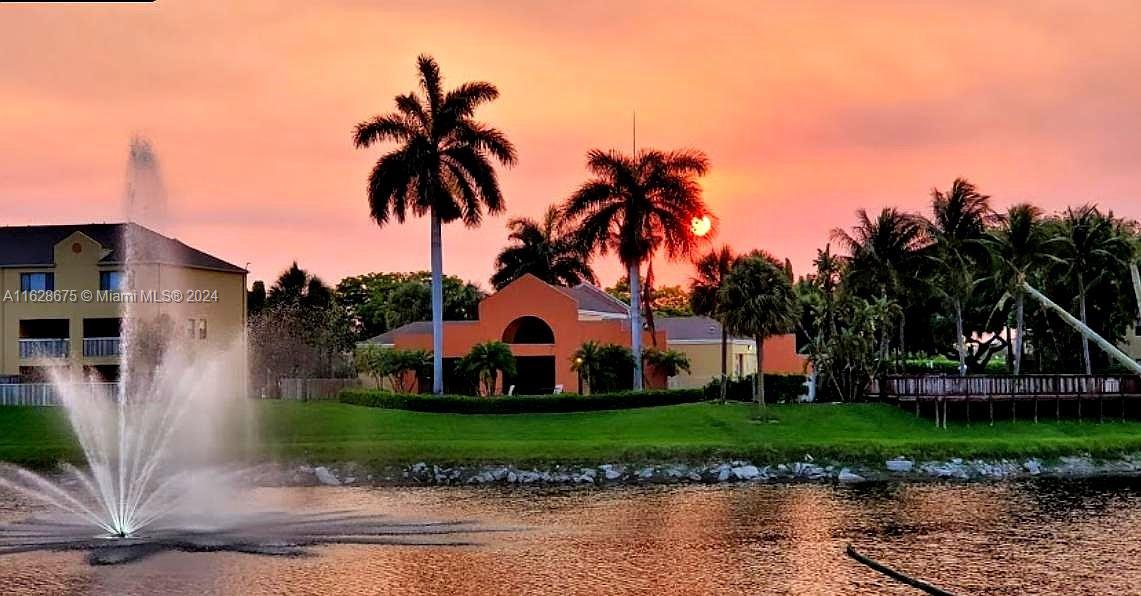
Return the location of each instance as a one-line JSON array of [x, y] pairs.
[[63, 291]]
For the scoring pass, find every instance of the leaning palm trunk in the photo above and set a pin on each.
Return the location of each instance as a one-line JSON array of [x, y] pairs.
[[437, 306], [636, 324], [1084, 329], [1085, 321], [1019, 300], [960, 343], [759, 379], [1136, 286]]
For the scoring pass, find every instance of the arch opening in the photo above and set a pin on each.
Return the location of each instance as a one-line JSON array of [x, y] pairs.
[[528, 330]]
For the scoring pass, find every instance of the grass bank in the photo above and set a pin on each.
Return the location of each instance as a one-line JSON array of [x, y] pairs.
[[334, 432]]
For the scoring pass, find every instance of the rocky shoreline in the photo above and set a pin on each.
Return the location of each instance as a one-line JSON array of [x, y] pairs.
[[736, 471]]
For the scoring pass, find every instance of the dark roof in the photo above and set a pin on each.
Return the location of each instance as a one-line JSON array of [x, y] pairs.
[[389, 337], [414, 328], [34, 245], [689, 328], [593, 298]]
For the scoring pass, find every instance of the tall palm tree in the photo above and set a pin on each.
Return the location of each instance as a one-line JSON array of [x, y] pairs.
[[637, 205], [441, 168], [1019, 246], [884, 255], [544, 249], [1091, 244], [758, 300], [957, 229], [712, 269]]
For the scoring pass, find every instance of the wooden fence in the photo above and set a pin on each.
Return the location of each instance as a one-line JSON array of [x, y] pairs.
[[941, 391]]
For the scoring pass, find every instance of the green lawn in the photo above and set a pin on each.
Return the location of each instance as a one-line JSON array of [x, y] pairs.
[[332, 432]]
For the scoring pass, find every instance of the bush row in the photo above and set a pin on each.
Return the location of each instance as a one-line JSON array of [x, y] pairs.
[[779, 388], [537, 404]]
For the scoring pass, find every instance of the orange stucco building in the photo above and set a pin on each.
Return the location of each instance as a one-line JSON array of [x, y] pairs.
[[544, 325]]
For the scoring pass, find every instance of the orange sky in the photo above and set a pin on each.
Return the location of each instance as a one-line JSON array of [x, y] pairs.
[[807, 110]]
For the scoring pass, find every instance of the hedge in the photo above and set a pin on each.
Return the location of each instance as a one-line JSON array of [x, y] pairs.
[[537, 404], [778, 388]]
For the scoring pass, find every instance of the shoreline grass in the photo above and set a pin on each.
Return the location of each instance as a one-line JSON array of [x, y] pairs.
[[329, 432]]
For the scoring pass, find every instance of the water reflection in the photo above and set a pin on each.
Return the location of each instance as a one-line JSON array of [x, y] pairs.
[[987, 539]]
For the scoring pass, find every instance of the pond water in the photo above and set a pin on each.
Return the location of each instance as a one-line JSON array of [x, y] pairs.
[[1010, 538]]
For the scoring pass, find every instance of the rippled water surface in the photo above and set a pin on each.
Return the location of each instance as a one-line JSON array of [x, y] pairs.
[[1026, 538]]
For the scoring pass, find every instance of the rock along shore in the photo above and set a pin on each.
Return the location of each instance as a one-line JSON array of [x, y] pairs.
[[735, 471]]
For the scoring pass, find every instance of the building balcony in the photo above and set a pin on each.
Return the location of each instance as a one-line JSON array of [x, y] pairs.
[[101, 347], [55, 347]]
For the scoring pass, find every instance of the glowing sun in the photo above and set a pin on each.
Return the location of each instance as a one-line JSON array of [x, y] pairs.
[[701, 225]]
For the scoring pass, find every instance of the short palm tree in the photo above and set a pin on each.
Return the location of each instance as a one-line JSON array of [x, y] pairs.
[[599, 364], [671, 363], [441, 168], [486, 361], [544, 249], [957, 228], [712, 268], [637, 205], [884, 255], [1019, 246], [757, 300], [1091, 245]]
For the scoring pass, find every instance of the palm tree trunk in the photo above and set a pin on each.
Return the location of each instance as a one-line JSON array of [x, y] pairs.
[[636, 323], [1082, 313], [724, 363], [437, 306], [759, 384], [961, 344], [1019, 321]]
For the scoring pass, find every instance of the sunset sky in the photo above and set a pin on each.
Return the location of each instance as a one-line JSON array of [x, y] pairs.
[[808, 111]]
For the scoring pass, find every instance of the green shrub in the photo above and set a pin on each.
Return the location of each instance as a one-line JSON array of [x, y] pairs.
[[537, 404], [779, 388]]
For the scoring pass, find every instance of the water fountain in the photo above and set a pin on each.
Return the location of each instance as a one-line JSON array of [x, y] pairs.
[[156, 447]]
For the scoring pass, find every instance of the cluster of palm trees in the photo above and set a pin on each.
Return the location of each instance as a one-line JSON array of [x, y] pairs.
[[888, 297], [959, 277], [636, 206]]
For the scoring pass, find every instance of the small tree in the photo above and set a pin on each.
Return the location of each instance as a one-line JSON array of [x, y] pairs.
[[369, 360], [757, 300], [670, 362], [602, 366], [485, 361]]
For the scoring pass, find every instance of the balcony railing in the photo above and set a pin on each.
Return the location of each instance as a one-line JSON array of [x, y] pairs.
[[97, 347], [46, 394], [44, 348]]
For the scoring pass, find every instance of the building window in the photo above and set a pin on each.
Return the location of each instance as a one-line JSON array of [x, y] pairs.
[[111, 280], [201, 328], [37, 282], [190, 327]]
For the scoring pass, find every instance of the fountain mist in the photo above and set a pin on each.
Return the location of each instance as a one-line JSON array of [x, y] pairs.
[[156, 447]]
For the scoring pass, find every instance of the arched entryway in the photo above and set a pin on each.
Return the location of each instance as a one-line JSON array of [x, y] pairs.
[[528, 330], [534, 375]]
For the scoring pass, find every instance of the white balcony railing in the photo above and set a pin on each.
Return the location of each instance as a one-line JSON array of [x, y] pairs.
[[46, 394], [57, 347], [98, 347]]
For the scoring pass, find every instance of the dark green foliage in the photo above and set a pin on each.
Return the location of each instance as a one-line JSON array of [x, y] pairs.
[[604, 367], [538, 404], [544, 249], [485, 362], [779, 388], [378, 302]]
